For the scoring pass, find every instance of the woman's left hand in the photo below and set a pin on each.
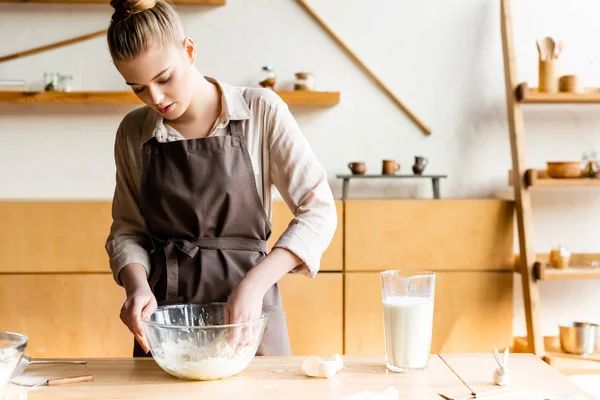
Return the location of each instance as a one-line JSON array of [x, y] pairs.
[[245, 303]]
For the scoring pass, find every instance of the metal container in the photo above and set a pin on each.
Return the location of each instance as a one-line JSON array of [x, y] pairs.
[[578, 337]]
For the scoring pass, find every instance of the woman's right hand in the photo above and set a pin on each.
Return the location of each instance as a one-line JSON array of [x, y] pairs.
[[140, 302], [139, 305]]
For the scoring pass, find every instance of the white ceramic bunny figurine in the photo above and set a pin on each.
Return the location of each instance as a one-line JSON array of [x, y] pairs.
[[501, 372]]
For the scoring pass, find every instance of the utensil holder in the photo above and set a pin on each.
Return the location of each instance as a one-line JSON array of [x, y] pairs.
[[548, 79]]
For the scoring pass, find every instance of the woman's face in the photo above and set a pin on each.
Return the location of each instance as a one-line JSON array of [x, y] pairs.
[[161, 76]]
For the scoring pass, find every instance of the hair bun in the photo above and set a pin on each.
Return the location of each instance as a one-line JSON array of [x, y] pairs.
[[126, 8]]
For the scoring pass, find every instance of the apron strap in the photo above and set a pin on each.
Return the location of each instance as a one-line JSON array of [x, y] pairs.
[[235, 128], [191, 247]]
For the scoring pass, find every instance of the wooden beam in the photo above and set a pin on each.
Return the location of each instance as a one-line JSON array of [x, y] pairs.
[[522, 195], [426, 130], [52, 46]]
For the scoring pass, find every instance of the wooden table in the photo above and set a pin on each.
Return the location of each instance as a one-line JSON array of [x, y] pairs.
[[282, 379]]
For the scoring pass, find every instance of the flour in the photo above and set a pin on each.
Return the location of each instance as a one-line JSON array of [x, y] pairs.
[[184, 359], [9, 359]]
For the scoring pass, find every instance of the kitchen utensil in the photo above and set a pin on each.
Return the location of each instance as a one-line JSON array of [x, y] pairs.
[[26, 361], [12, 347], [547, 76], [548, 45], [541, 54], [478, 395], [193, 341], [58, 381], [408, 297], [358, 167], [578, 337], [389, 167], [563, 169]]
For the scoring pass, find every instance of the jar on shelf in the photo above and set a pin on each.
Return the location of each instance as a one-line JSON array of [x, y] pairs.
[[304, 81], [589, 164], [268, 77], [64, 83], [50, 81]]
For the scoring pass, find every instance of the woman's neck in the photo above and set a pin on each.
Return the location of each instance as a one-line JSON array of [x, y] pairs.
[[205, 106]]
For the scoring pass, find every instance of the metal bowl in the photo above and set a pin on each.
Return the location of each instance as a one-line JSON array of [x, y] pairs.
[[578, 337], [12, 347], [193, 341]]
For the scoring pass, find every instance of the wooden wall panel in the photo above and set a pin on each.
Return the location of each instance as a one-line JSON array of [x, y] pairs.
[[429, 234], [472, 313]]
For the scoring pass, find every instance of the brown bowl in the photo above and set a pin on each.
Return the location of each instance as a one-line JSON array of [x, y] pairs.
[[564, 169]]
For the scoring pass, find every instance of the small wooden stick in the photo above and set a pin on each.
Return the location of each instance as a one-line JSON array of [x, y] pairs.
[[72, 379], [52, 46], [458, 376], [345, 47]]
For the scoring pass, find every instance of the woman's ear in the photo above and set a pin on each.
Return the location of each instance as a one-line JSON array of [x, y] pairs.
[[190, 49]]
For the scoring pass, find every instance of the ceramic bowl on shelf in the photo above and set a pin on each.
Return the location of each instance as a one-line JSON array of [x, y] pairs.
[[564, 169]]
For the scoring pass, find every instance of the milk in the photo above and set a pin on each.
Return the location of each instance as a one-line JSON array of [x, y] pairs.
[[408, 323]]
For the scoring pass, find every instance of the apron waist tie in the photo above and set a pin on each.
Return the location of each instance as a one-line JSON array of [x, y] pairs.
[[191, 247]]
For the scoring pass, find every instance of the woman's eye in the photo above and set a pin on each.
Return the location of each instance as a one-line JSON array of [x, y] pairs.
[[166, 80], [140, 90]]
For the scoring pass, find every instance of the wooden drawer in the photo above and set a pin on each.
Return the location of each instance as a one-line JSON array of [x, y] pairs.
[[456, 235], [332, 257], [314, 311], [66, 315], [472, 313]]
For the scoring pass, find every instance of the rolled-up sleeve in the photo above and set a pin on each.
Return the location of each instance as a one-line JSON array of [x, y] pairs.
[[128, 239], [302, 182]]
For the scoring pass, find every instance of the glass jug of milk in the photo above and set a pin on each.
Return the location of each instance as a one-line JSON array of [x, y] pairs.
[[408, 298]]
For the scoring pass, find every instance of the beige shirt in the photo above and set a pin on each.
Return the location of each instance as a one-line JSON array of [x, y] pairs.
[[281, 159]]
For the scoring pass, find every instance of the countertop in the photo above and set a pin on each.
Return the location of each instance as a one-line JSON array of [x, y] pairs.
[[282, 378]]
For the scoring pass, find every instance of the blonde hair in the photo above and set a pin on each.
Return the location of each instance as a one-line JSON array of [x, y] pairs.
[[139, 24]]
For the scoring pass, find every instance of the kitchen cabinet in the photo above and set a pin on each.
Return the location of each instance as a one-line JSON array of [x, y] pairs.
[[56, 286], [314, 313], [472, 312], [456, 235], [77, 315]]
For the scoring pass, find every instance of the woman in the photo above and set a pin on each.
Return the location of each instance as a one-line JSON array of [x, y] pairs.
[[195, 171]]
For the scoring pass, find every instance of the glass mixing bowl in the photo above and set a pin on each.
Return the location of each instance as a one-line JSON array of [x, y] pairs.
[[192, 341], [12, 347]]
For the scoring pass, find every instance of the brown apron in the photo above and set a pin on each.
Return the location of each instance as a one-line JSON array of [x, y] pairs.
[[208, 226]]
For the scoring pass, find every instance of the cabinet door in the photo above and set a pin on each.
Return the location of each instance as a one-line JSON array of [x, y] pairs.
[[472, 312], [66, 315], [332, 257], [314, 313], [54, 236], [449, 234]]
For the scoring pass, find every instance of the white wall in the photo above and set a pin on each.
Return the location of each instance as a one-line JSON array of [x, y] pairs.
[[443, 58]]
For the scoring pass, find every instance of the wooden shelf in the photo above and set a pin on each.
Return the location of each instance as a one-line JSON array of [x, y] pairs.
[[568, 364], [528, 95], [195, 2], [305, 98], [540, 178], [310, 98], [581, 267]]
